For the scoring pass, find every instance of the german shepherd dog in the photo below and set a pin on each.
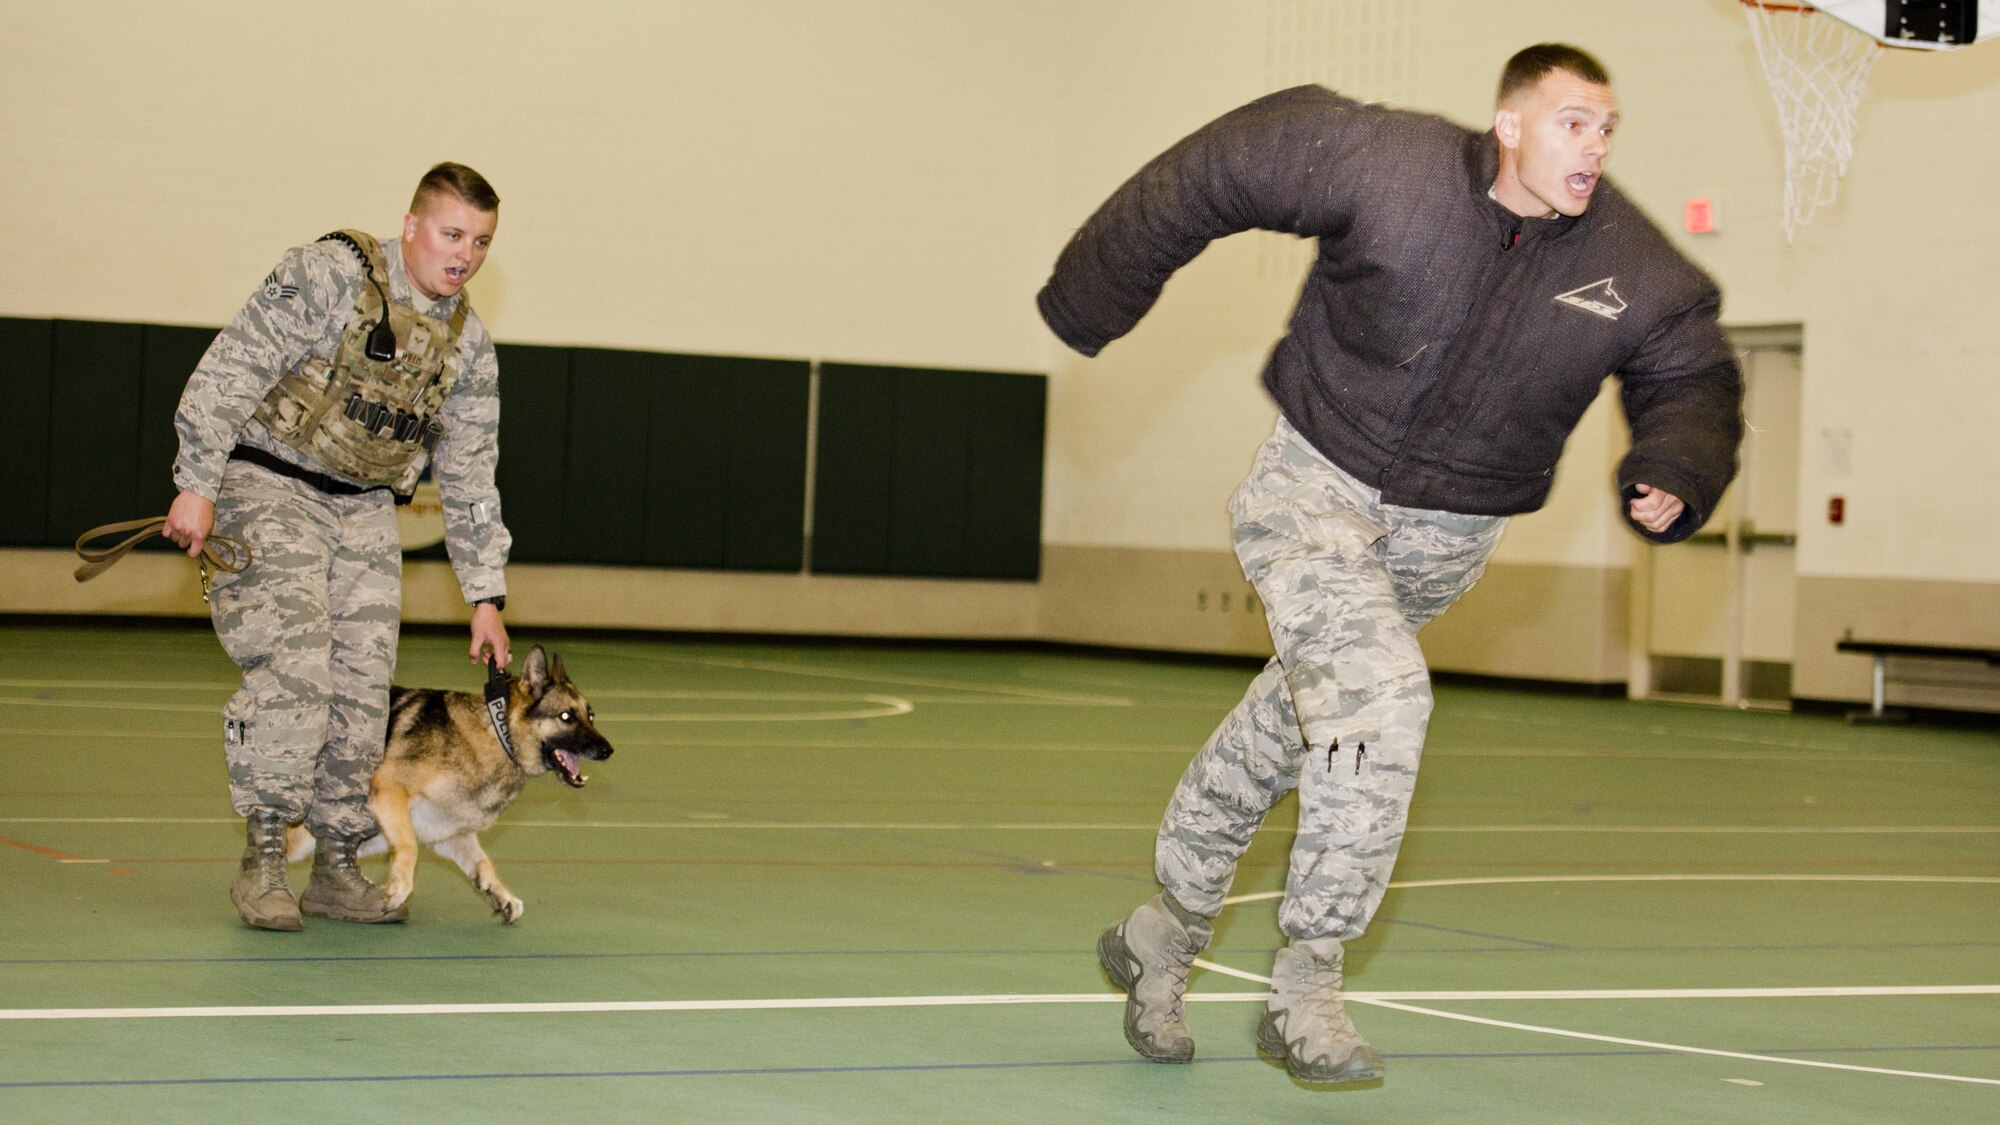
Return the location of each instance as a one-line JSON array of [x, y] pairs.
[[445, 777]]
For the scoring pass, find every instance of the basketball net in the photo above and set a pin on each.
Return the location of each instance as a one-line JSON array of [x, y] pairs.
[[1817, 67]]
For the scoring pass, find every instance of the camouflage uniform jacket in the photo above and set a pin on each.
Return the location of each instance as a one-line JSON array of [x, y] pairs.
[[1442, 348], [298, 315]]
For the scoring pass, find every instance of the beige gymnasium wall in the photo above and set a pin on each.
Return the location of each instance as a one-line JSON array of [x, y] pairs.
[[888, 181]]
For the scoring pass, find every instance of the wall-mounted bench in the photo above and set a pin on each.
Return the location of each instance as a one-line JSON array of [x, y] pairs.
[[1881, 651]]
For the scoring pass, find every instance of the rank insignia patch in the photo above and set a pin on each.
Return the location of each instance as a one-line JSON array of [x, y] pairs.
[[275, 290]]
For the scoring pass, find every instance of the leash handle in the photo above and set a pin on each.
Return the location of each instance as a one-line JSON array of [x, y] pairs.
[[223, 552], [498, 685]]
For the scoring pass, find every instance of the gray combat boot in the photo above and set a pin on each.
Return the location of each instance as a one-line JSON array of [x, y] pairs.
[[1306, 1022], [1148, 955], [339, 890], [261, 892]]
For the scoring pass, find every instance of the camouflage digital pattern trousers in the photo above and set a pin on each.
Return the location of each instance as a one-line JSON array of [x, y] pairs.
[[312, 622], [1340, 712]]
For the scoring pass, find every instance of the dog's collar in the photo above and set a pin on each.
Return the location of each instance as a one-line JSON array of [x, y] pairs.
[[498, 685]]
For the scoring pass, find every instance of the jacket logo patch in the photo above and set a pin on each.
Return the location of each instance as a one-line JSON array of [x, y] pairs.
[[276, 290], [1598, 297]]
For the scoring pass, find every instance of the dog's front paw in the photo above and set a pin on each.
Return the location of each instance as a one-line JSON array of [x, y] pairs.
[[506, 905], [398, 890]]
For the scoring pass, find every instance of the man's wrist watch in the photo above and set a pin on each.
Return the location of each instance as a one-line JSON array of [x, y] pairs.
[[497, 601]]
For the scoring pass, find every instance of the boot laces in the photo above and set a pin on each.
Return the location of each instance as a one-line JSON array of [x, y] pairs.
[[269, 842], [1319, 1001], [340, 866], [1176, 949]]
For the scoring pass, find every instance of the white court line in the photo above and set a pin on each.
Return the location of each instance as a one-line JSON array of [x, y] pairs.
[[1182, 751], [1675, 1047], [1150, 826], [1239, 974], [1655, 730], [905, 700], [580, 1007], [1495, 880], [101, 735], [107, 705], [871, 677], [1397, 1000], [126, 685], [1609, 755], [1007, 998], [886, 706], [1727, 829], [801, 745]]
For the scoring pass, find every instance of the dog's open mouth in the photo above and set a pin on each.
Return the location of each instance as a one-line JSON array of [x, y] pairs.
[[567, 765]]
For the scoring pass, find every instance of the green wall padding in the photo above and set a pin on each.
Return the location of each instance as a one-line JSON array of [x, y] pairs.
[[94, 398], [927, 484], [687, 469], [606, 456], [1003, 529], [928, 473], [604, 495], [854, 469], [534, 456], [767, 462], [25, 354], [725, 480]]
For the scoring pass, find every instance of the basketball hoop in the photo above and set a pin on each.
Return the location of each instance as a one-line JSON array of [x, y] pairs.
[[1817, 67]]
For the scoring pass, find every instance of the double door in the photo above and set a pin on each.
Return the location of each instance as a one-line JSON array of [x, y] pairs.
[[1713, 615]]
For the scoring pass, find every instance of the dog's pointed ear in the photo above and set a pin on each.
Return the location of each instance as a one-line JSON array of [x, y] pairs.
[[536, 673], [556, 670]]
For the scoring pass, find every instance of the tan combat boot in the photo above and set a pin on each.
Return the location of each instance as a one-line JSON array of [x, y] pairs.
[[339, 890], [1306, 1022], [261, 892], [1148, 955]]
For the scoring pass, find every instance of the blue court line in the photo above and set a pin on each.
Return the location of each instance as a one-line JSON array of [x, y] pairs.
[[1530, 942], [777, 1071], [1025, 866]]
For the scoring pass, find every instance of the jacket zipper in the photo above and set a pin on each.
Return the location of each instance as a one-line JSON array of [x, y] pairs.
[[1497, 271]]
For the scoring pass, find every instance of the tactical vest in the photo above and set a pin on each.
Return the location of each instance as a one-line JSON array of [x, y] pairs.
[[374, 421]]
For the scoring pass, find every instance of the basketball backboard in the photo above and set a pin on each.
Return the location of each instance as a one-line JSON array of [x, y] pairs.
[[1934, 25]]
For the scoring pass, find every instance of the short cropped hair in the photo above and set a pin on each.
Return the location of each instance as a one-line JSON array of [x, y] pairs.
[[1532, 64], [458, 180]]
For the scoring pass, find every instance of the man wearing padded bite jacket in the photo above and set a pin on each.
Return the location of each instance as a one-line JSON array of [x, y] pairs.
[[1470, 294], [354, 366]]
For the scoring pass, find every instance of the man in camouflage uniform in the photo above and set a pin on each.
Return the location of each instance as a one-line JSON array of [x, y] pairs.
[[1469, 295], [313, 620]]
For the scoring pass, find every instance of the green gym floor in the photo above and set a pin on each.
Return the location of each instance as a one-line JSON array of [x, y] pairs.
[[862, 883]]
